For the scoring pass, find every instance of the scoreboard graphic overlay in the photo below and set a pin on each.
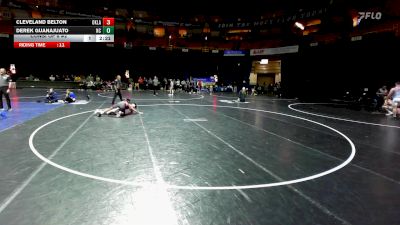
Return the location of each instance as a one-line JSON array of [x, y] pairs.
[[59, 33]]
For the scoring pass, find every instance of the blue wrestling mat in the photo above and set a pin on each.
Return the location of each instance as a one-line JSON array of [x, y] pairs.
[[23, 111]]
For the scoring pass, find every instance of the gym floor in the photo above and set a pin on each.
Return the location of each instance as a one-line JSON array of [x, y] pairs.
[[196, 159]]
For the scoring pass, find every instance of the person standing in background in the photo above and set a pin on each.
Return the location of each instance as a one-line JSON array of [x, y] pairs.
[[117, 89], [165, 84], [140, 81], [5, 85], [155, 85], [171, 87], [242, 95]]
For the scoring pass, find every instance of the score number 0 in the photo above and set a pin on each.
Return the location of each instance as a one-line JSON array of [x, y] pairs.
[[107, 30]]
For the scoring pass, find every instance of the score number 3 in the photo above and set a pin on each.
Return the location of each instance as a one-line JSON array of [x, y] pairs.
[[108, 22]]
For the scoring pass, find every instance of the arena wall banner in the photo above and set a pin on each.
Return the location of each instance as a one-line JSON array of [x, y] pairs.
[[273, 20], [274, 51], [234, 53]]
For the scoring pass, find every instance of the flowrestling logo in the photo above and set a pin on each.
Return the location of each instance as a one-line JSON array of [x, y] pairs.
[[369, 15]]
